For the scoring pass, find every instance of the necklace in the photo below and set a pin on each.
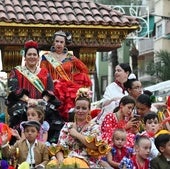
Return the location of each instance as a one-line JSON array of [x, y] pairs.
[[31, 70], [59, 57], [80, 126]]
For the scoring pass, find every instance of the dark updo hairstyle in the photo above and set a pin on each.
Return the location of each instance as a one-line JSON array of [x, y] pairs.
[[161, 140], [30, 44], [125, 100], [128, 84], [144, 99], [66, 35], [126, 67], [150, 94]]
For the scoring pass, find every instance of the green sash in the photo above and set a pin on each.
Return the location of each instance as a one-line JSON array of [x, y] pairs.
[[57, 66], [52, 60], [35, 81]]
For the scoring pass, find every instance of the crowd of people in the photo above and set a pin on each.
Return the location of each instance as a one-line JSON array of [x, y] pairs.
[[128, 132]]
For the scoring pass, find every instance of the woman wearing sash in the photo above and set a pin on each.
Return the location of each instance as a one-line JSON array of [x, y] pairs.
[[67, 71], [28, 85]]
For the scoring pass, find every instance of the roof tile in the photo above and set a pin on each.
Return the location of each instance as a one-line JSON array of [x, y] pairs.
[[50, 4], [47, 17], [23, 3], [30, 17], [8, 2], [18, 9], [4, 16], [27, 9], [66, 4], [58, 4], [12, 16], [95, 12], [36, 9], [55, 17], [62, 12], [52, 10], [21, 17], [39, 17], [10, 8], [86, 12], [41, 3], [2, 9], [76, 5], [78, 11], [72, 18], [33, 3], [44, 9], [90, 19]]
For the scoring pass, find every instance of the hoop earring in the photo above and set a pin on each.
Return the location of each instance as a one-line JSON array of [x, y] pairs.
[[88, 118], [52, 49], [65, 50]]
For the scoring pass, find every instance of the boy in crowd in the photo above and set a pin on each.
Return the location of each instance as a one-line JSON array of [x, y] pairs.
[[151, 126], [162, 161], [28, 150]]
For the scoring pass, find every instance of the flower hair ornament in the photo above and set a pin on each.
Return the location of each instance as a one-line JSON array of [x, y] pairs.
[[30, 44], [84, 92]]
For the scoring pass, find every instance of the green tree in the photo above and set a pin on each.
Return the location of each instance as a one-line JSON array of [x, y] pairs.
[[118, 2], [161, 68]]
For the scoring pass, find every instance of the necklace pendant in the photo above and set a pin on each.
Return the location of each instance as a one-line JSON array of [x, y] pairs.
[[79, 129]]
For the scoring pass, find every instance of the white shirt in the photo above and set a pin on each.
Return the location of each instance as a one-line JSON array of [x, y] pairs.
[[30, 157], [111, 99]]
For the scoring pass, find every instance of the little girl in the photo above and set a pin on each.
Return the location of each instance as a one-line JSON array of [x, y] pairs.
[[142, 151], [118, 150], [37, 113]]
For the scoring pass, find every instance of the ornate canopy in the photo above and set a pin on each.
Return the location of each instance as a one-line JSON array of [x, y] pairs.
[[94, 27]]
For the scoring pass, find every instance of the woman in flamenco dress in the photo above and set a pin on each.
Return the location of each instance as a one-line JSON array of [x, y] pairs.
[[68, 72]]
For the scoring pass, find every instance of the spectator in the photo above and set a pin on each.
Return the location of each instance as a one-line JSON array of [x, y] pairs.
[[30, 149], [162, 161], [119, 150], [121, 118]]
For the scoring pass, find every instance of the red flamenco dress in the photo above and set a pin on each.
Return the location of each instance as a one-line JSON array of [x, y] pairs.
[[108, 126], [68, 76]]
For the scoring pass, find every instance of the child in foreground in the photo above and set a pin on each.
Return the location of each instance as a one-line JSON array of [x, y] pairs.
[[162, 161], [142, 151], [118, 150], [140, 159], [152, 126], [28, 150], [36, 113]]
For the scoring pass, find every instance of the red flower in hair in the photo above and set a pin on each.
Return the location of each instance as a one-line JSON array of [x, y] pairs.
[[30, 44]]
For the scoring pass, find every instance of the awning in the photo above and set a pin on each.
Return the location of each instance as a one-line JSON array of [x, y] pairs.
[[146, 31]]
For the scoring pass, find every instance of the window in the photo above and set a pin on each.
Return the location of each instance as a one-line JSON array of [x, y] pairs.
[[104, 83], [159, 31], [104, 56]]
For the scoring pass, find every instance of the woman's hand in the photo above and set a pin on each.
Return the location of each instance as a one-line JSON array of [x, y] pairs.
[[131, 123], [72, 131]]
